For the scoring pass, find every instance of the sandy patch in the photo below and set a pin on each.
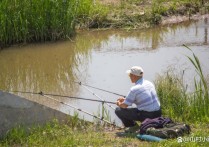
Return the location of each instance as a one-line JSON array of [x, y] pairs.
[[179, 19]]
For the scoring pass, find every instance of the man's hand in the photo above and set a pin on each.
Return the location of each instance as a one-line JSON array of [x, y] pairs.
[[120, 102], [121, 99]]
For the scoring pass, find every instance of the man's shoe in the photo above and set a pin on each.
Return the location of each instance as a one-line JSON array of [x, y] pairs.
[[133, 129]]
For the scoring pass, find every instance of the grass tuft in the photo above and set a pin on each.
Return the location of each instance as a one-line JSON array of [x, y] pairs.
[[177, 102]]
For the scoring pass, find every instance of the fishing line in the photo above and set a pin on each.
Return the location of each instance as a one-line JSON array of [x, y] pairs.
[[47, 95], [97, 96], [101, 119], [56, 95], [100, 89]]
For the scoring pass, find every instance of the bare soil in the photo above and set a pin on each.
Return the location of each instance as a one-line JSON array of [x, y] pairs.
[[138, 9], [179, 19]]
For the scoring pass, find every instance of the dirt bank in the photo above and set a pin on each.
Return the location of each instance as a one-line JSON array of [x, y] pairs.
[[144, 14], [179, 19]]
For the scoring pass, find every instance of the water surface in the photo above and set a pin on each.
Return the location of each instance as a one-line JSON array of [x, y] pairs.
[[100, 59]]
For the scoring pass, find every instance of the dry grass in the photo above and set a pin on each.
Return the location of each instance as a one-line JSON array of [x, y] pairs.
[[110, 2]]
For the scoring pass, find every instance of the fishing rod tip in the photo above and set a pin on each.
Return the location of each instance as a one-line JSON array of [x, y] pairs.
[[41, 93]]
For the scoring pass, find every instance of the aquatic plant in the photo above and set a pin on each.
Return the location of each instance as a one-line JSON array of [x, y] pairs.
[[172, 94], [23, 21], [91, 14], [200, 97], [177, 102], [34, 20], [104, 114]]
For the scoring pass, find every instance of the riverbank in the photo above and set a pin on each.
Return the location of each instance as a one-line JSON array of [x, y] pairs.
[[179, 19], [76, 133], [50, 20], [144, 14]]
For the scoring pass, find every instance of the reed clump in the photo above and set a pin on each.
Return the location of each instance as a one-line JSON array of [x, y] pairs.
[[91, 14], [179, 103], [34, 20], [23, 21]]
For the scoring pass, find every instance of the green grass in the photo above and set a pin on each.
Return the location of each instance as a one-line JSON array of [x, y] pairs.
[[23, 21], [34, 20], [75, 132], [175, 99], [142, 14], [82, 133], [90, 14]]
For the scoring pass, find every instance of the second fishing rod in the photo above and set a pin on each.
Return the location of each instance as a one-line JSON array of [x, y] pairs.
[[82, 84], [97, 96], [49, 96], [64, 96], [101, 119]]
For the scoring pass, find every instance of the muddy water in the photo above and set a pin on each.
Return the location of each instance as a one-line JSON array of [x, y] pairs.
[[100, 59]]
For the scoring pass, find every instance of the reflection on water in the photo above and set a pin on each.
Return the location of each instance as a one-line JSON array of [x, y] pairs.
[[189, 33], [98, 58], [50, 68], [39, 67]]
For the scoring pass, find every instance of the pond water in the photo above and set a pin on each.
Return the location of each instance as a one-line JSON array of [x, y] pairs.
[[100, 59]]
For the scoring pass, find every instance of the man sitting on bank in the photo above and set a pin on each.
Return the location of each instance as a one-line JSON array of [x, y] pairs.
[[144, 95]]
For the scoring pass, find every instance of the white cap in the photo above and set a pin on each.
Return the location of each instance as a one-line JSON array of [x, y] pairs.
[[135, 70]]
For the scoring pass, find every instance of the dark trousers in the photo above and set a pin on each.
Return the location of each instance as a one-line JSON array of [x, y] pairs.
[[129, 115]]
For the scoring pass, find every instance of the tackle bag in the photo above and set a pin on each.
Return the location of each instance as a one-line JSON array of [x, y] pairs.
[[171, 130]]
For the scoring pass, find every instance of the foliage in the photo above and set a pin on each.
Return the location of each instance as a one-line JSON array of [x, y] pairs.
[[34, 20], [23, 21], [90, 14], [56, 134], [177, 102], [200, 98], [143, 14], [172, 95]]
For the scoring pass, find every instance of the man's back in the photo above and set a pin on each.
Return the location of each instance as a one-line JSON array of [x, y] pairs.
[[143, 94]]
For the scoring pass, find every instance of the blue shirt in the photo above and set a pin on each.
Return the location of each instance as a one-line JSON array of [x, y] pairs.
[[144, 95]]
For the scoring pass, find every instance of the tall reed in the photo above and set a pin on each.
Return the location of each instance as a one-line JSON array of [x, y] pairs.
[[35, 20], [200, 97], [172, 94], [91, 14], [42, 20], [180, 104], [104, 114]]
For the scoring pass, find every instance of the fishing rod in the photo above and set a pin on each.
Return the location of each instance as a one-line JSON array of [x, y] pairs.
[[56, 95], [96, 96], [101, 119], [100, 89]]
